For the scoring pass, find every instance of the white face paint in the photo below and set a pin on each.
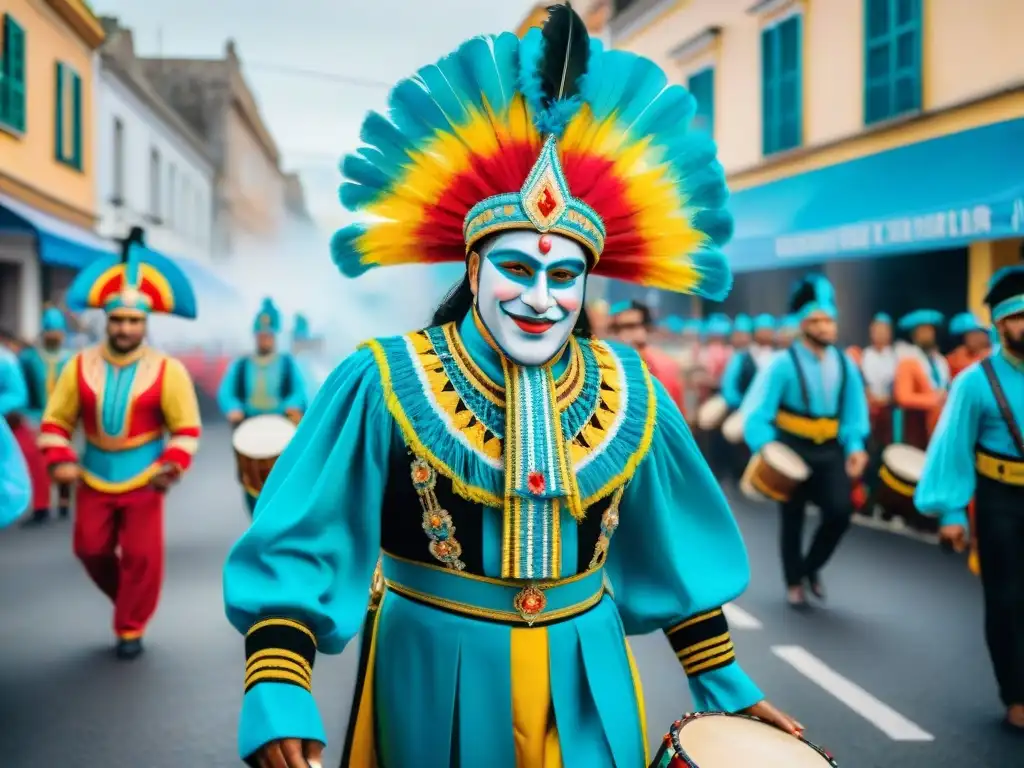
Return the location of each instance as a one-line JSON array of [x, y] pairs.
[[530, 295]]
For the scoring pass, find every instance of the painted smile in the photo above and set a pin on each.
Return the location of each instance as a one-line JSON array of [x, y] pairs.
[[534, 325]]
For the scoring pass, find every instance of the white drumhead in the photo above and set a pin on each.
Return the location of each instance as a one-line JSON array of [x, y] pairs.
[[712, 412], [732, 429], [785, 460], [263, 437], [721, 741], [905, 460]]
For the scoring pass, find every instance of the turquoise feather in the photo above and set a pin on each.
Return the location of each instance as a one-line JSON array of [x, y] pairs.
[[344, 252]]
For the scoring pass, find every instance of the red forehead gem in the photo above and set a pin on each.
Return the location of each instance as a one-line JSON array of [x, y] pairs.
[[544, 244]]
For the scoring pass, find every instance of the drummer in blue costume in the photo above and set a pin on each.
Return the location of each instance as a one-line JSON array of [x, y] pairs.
[[977, 451], [744, 365], [530, 491], [41, 365], [787, 331], [267, 382], [811, 399], [15, 487]]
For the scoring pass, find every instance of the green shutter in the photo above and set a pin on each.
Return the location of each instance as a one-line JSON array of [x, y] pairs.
[[12, 75], [76, 96], [769, 51], [782, 85], [892, 58], [58, 124], [702, 86]]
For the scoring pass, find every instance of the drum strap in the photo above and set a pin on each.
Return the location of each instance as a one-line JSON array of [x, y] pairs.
[[843, 373], [1003, 403]]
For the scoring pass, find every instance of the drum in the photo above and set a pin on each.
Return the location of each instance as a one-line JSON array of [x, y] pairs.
[[720, 740], [258, 442], [732, 429], [902, 466], [775, 472], [711, 415]]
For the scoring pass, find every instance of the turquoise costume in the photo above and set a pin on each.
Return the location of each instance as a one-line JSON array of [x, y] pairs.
[[977, 451], [42, 366], [13, 392], [816, 405], [307, 351], [743, 365], [516, 521], [15, 487]]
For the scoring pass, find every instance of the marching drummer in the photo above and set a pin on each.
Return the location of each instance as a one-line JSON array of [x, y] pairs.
[[745, 363], [812, 400], [787, 331], [921, 380], [266, 382], [127, 396], [975, 342], [978, 451], [878, 367]]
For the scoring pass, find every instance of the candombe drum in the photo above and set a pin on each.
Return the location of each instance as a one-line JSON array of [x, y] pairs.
[[712, 413], [775, 472], [902, 467], [732, 429], [722, 740], [258, 442]]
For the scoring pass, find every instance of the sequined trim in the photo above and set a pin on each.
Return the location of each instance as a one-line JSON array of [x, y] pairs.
[[437, 522]]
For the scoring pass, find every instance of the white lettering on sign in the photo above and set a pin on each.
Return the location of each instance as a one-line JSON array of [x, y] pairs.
[[906, 230], [1017, 217]]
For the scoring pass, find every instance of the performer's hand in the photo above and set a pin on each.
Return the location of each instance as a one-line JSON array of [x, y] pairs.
[[235, 417], [954, 536], [165, 478], [856, 463], [763, 710], [65, 474], [294, 415], [290, 753]]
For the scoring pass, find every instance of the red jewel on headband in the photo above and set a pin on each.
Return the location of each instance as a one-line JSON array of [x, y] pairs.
[[544, 244]]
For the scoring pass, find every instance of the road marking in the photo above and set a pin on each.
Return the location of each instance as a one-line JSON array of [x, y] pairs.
[[740, 619], [885, 718]]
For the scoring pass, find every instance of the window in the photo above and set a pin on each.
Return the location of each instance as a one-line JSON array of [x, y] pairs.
[[12, 75], [702, 85], [154, 184], [172, 193], [781, 87], [892, 58], [68, 136], [118, 198]]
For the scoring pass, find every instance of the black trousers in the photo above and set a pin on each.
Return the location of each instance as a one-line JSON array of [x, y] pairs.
[[830, 489], [999, 520]]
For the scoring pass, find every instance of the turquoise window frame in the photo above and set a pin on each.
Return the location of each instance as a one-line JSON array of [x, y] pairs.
[[701, 84], [782, 92], [892, 58], [68, 155], [12, 76]]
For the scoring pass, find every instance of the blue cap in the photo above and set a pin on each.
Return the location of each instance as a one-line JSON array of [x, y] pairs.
[[53, 320], [789, 323], [742, 324], [813, 293], [693, 325], [673, 324], [920, 317], [1005, 295], [717, 325], [882, 317], [268, 319], [764, 322], [965, 322]]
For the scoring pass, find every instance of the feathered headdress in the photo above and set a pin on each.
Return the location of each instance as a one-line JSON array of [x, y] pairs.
[[549, 133], [268, 319], [138, 282], [813, 293], [1005, 294]]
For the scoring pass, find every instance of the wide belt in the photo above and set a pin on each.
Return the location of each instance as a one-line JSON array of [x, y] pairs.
[[818, 430], [1000, 468], [502, 600]]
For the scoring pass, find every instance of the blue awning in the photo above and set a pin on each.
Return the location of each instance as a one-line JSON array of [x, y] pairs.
[[65, 245], [937, 194]]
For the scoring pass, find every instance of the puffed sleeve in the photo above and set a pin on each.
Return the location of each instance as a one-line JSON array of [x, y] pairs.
[[298, 580], [947, 483], [15, 489], [854, 421], [761, 403], [731, 380], [677, 557]]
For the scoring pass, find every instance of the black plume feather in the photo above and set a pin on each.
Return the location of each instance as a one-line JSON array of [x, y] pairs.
[[566, 51], [802, 295]]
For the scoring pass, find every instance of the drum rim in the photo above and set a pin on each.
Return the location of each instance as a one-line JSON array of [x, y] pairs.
[[673, 734], [806, 467]]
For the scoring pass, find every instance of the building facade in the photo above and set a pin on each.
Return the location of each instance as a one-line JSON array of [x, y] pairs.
[[153, 170], [250, 202], [852, 130], [47, 163]]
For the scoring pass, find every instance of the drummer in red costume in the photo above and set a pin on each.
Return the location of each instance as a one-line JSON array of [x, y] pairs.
[[127, 396]]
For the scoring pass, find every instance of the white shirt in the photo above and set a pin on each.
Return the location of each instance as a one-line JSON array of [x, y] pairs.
[[879, 369]]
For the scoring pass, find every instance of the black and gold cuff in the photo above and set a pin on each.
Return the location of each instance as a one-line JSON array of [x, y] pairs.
[[279, 651], [702, 642]]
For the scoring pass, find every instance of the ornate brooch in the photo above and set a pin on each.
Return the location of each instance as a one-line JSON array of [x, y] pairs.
[[437, 523]]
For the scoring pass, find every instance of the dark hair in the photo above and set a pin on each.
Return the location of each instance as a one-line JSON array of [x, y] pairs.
[[646, 316], [459, 301]]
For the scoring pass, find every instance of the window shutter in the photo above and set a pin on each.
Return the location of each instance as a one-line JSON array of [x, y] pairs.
[[14, 54], [76, 111], [59, 119]]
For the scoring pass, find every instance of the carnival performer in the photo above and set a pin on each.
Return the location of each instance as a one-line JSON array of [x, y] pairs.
[[812, 400], [13, 399], [15, 485], [308, 352], [266, 382], [977, 452], [41, 366], [742, 334], [498, 641], [127, 396], [921, 381], [974, 342], [787, 332], [633, 325], [744, 365], [878, 367]]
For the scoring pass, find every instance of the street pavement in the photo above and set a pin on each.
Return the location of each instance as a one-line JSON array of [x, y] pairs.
[[893, 673]]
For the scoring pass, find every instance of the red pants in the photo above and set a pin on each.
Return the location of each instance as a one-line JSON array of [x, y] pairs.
[[37, 473], [133, 523]]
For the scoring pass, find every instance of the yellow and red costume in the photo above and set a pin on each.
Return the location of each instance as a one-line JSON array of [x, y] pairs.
[[127, 404]]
